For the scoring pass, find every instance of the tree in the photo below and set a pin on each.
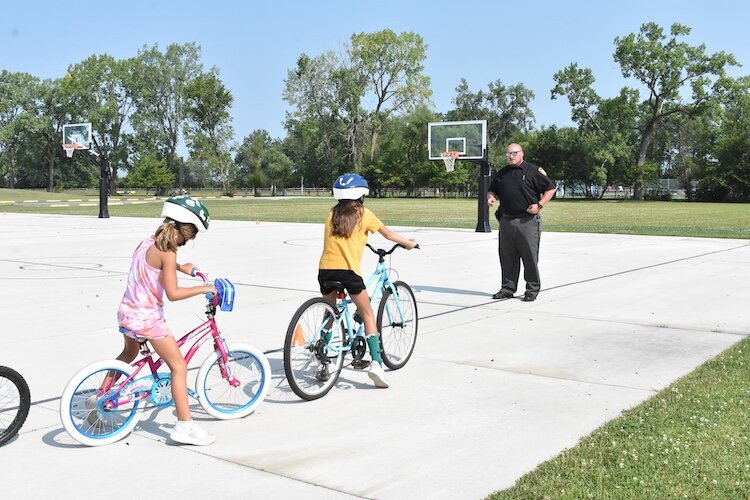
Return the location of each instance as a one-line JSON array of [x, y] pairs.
[[18, 101], [159, 91], [208, 131], [607, 128], [325, 122], [392, 66], [53, 114], [328, 127], [506, 109], [402, 158], [665, 67], [278, 167], [468, 105], [99, 90], [250, 158], [151, 173], [727, 176]]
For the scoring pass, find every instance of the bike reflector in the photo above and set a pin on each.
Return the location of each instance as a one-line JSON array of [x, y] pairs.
[[226, 293]]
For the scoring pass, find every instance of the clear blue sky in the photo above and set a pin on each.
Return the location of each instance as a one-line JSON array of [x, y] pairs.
[[254, 44]]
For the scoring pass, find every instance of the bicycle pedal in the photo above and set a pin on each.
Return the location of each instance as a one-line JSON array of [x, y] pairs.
[[360, 364]]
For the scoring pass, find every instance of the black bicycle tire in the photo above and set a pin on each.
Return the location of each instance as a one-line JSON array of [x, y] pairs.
[[288, 371], [24, 404]]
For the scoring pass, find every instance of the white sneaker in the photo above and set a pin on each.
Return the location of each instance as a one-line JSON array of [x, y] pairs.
[[377, 375], [193, 435]]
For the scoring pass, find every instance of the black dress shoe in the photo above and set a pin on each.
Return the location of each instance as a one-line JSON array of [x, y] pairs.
[[503, 294], [529, 298]]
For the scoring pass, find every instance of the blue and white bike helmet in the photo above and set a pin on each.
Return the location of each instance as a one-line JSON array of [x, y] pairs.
[[350, 187], [186, 209]]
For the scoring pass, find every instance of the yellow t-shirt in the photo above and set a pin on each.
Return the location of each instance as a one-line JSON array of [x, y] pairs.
[[346, 253]]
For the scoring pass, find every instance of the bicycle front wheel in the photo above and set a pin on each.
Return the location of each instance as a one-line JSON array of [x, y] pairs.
[[95, 408], [397, 322], [15, 401], [313, 349], [246, 385]]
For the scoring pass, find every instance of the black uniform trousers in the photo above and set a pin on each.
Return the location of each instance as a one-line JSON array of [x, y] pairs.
[[519, 242]]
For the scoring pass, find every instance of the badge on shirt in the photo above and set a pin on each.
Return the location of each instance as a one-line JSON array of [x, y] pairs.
[[541, 170]]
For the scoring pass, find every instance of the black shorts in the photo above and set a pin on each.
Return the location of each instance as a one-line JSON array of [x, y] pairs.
[[353, 282]]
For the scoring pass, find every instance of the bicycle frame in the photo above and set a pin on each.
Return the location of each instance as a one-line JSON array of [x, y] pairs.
[[375, 285], [208, 329]]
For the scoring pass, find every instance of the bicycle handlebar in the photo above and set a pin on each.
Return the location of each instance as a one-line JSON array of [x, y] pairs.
[[211, 297], [382, 253]]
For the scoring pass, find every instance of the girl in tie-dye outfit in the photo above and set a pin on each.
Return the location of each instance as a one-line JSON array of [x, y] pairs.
[[153, 272]]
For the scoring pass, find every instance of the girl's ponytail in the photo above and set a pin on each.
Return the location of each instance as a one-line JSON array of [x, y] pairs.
[[347, 214], [172, 234]]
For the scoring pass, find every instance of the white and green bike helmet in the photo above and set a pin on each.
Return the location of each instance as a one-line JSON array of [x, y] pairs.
[[187, 210]]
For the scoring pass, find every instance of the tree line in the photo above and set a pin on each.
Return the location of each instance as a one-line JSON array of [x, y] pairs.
[[367, 108]]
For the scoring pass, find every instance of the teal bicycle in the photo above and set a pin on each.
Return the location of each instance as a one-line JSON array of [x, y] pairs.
[[321, 334]]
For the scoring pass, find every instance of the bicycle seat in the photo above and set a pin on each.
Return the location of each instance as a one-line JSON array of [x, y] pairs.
[[334, 285]]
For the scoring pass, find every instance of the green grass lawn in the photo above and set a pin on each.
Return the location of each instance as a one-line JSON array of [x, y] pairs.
[[691, 440], [28, 194], [717, 220]]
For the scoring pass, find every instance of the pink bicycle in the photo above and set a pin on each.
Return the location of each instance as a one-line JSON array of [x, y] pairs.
[[101, 403]]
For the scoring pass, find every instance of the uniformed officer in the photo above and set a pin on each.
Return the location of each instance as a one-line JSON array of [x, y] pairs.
[[523, 189]]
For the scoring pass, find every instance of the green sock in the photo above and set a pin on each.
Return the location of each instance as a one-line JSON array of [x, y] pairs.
[[373, 342]]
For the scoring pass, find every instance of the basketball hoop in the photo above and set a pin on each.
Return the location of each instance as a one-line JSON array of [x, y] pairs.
[[449, 158], [69, 149]]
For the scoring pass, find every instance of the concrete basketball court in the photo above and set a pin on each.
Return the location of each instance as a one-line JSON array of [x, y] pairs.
[[494, 387]]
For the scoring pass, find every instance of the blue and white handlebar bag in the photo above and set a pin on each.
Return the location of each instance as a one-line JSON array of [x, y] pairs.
[[226, 293]]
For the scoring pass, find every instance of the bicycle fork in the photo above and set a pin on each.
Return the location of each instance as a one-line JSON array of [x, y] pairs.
[[226, 371]]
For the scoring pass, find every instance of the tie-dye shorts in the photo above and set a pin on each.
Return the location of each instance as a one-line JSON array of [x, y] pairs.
[[144, 328]]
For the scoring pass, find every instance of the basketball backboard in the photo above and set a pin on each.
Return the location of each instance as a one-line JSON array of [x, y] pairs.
[[77, 135], [467, 138]]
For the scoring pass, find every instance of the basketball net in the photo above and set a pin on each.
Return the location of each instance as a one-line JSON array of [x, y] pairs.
[[449, 158], [70, 148]]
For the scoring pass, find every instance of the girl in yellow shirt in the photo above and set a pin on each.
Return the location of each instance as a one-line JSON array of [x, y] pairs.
[[347, 227]]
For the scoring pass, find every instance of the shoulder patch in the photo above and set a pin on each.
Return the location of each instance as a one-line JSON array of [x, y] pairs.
[[541, 171]]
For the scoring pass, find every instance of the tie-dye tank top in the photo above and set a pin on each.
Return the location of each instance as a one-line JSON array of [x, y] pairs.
[[143, 298]]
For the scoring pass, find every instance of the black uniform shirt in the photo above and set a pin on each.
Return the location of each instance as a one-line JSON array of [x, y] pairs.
[[519, 187]]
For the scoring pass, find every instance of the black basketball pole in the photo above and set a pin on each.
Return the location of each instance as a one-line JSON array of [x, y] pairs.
[[483, 210], [103, 186], [104, 177]]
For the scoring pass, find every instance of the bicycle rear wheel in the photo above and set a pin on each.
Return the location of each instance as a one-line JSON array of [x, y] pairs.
[[94, 408], [15, 401], [398, 329], [219, 397], [312, 363]]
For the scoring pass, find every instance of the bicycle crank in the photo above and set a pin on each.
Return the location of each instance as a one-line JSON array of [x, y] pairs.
[[359, 349]]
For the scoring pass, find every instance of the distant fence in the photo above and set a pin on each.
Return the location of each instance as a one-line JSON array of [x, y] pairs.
[[427, 192], [564, 190]]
